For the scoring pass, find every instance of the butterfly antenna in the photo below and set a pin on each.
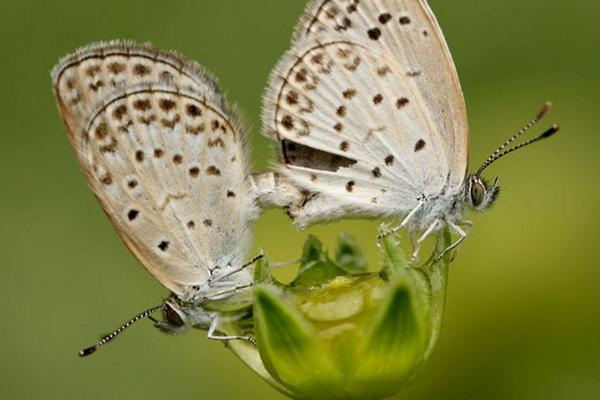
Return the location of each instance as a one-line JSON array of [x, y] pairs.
[[501, 152], [116, 332]]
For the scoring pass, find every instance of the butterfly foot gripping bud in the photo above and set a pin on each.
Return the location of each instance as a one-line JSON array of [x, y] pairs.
[[340, 331]]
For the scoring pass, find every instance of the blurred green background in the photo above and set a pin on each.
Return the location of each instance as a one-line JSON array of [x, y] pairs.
[[523, 315]]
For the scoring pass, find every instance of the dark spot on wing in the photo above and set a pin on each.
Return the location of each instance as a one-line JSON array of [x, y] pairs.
[[214, 171], [193, 110], [374, 34], [164, 245], [133, 214], [404, 20], [420, 145], [194, 172], [402, 102], [389, 160], [385, 18], [350, 186], [376, 172]]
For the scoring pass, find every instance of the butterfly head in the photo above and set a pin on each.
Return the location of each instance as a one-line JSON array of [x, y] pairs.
[[178, 317], [479, 194]]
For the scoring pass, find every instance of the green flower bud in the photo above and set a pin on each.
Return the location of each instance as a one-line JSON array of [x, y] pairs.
[[341, 332]]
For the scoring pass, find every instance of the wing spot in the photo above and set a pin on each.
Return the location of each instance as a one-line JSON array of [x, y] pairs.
[[425, 33], [230, 194], [193, 110], [95, 86], [191, 225], [139, 156], [164, 245], [92, 70], [389, 160], [349, 94], [216, 142], [344, 26], [101, 131], [132, 184], [377, 99], [402, 102], [194, 172], [142, 105], [167, 104], [376, 172], [313, 177], [111, 147], [214, 171], [215, 125], [106, 179], [342, 111], [420, 145], [148, 120], [353, 66], [119, 112], [302, 75], [141, 70], [208, 222], [404, 20], [338, 127], [350, 186], [195, 130], [383, 71], [385, 18], [133, 214], [374, 34], [116, 68], [177, 159], [288, 122], [158, 153], [292, 98], [344, 146], [414, 74], [171, 123]]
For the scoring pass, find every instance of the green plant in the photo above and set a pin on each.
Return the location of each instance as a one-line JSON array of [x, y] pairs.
[[339, 331]]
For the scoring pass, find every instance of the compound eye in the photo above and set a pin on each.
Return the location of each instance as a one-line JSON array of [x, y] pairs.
[[172, 316], [477, 193]]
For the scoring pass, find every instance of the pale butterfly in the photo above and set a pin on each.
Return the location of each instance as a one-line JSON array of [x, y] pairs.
[[166, 158], [370, 118]]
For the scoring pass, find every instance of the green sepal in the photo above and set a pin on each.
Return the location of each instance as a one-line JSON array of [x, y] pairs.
[[291, 350], [349, 257], [316, 267]]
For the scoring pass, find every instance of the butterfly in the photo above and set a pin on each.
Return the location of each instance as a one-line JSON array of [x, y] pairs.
[[166, 157], [369, 117]]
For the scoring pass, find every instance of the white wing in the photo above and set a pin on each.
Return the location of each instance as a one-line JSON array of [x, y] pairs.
[[368, 110], [163, 155]]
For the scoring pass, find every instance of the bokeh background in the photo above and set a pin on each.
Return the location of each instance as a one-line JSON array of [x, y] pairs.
[[523, 315]]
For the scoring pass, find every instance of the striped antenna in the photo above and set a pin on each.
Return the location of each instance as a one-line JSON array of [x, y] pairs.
[[500, 152], [90, 350]]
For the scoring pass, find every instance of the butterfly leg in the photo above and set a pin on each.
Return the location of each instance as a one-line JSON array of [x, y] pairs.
[[462, 236], [216, 278], [403, 224], [214, 327], [227, 292], [417, 247]]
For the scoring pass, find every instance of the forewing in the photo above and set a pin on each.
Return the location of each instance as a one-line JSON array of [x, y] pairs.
[[165, 158], [367, 106]]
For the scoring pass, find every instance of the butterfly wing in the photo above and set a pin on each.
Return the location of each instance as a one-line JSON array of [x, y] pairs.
[[164, 156], [367, 109]]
